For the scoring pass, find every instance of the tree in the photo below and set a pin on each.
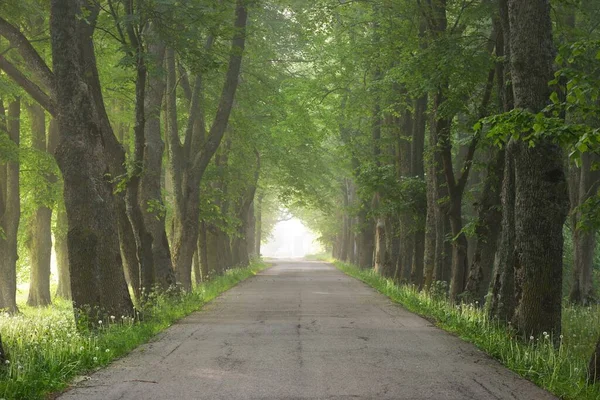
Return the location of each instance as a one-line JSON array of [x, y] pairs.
[[10, 208], [96, 270], [540, 187], [188, 161], [41, 237]]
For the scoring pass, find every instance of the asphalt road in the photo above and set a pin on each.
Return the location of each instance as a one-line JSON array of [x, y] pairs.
[[304, 330]]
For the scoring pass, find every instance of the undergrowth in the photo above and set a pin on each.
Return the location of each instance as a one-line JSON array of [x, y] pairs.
[[46, 350], [561, 370]]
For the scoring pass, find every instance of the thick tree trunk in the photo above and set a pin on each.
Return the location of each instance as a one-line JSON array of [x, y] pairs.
[[541, 201], [10, 211], [62, 254], [97, 282], [40, 247]]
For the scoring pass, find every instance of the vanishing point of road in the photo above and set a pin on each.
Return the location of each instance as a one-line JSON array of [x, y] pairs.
[[304, 330]]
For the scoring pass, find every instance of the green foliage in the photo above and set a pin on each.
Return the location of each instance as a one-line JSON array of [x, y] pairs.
[[46, 349]]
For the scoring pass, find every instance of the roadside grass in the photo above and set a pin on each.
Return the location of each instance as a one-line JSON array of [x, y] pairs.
[[561, 370], [46, 350]]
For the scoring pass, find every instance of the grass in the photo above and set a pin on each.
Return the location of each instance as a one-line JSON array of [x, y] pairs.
[[46, 351], [561, 370]]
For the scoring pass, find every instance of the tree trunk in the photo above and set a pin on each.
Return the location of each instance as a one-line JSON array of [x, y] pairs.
[[258, 235], [150, 194], [97, 282], [202, 252], [251, 232], [406, 225], [143, 238], [489, 213], [418, 170], [487, 231], [502, 299], [62, 254], [128, 250], [541, 201], [196, 267], [40, 248], [218, 251], [429, 246], [380, 249], [583, 184], [10, 211]]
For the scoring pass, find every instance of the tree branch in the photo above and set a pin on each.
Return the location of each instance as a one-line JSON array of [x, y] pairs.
[[229, 88], [29, 54], [31, 88]]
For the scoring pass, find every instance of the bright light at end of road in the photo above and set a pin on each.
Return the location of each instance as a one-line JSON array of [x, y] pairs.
[[291, 239]]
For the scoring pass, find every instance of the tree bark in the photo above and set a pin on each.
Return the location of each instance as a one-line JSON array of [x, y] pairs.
[[541, 201], [62, 254], [10, 210], [97, 282]]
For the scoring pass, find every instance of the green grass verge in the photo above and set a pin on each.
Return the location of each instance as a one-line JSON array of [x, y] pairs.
[[561, 370], [46, 351]]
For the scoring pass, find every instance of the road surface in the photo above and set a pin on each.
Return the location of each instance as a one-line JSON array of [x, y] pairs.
[[304, 330]]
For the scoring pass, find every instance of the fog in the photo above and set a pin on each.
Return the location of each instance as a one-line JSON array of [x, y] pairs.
[[291, 239]]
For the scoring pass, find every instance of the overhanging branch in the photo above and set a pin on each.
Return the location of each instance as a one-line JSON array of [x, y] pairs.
[[31, 88], [32, 58]]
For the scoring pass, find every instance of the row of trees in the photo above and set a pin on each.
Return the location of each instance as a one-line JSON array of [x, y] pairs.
[[469, 131], [154, 148]]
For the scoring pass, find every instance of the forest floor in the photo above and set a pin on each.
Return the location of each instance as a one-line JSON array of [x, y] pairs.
[[304, 330]]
